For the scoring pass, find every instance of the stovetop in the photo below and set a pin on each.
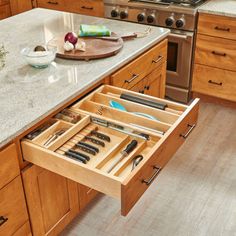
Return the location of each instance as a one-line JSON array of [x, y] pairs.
[[184, 3]]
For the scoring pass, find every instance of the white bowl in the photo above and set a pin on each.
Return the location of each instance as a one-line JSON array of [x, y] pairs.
[[39, 59]]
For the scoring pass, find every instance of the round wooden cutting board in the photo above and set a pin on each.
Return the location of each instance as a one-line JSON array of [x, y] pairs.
[[95, 48]]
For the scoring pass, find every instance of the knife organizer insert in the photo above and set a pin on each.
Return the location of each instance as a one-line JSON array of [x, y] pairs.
[[157, 141]]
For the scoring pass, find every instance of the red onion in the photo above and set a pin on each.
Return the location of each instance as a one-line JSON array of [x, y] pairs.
[[71, 37]]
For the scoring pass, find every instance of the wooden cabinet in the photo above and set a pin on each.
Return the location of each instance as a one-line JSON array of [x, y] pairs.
[[146, 74], [13, 211], [5, 10], [52, 200], [86, 7], [19, 6], [163, 136], [215, 57]]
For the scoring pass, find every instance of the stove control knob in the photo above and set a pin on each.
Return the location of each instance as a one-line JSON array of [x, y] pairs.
[[170, 21], [141, 17], [180, 23], [123, 14], [150, 19], [114, 13]]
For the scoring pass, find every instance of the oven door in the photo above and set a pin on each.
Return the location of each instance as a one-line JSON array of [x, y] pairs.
[[179, 59]]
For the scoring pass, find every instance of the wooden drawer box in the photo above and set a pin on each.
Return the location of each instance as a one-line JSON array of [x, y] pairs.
[[216, 52], [218, 26], [215, 82], [157, 140], [9, 165], [51, 4], [86, 7], [135, 71], [5, 11], [13, 210]]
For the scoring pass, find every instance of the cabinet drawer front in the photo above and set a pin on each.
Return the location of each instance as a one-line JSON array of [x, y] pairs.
[[216, 52], [215, 82], [13, 210], [3, 2], [51, 4], [123, 178], [140, 67], [9, 165], [219, 26], [86, 7], [5, 11]]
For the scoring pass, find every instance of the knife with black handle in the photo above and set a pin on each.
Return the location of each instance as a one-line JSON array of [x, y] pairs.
[[79, 154], [85, 148], [75, 156], [101, 136], [89, 146], [95, 141]]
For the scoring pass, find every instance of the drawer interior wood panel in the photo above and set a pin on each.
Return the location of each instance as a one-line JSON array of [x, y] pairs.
[[135, 71], [5, 11], [216, 52], [215, 82], [13, 210], [96, 172], [9, 165], [219, 26]]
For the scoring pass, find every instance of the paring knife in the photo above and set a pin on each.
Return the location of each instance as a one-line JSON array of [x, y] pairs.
[[101, 136], [89, 146], [79, 154], [77, 157], [129, 148]]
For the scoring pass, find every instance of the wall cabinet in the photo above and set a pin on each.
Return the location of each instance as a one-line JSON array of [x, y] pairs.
[[146, 74], [215, 57], [52, 200], [86, 7]]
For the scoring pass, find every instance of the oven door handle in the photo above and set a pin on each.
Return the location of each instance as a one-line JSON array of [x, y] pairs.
[[180, 36]]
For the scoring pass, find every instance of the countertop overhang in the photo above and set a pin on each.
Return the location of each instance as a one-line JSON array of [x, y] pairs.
[[27, 95]]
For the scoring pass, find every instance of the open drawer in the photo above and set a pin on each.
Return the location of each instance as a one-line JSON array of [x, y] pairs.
[[93, 149]]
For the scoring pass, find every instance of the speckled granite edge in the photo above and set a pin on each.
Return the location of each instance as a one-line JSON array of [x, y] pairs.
[[219, 7]]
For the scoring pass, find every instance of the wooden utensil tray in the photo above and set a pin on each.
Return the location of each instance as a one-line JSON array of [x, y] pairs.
[[157, 141]]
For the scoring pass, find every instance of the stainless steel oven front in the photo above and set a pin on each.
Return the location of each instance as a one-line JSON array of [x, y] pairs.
[[179, 65]]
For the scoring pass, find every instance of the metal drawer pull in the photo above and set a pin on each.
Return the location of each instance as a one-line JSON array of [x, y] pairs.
[[3, 220], [155, 174], [212, 82], [222, 29], [135, 76], [87, 8], [54, 3], [158, 60], [219, 53], [191, 127]]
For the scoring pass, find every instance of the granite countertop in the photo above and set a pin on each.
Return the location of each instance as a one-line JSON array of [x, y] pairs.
[[27, 95], [219, 7]]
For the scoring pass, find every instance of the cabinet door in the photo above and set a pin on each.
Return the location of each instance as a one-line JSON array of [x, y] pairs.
[[52, 200], [139, 87], [18, 6], [86, 195], [154, 84]]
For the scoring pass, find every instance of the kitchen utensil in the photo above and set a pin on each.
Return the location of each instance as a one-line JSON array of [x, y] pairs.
[[89, 146], [101, 136], [129, 148], [119, 128], [76, 156], [85, 148], [136, 160], [119, 106], [53, 137], [86, 157], [95, 141]]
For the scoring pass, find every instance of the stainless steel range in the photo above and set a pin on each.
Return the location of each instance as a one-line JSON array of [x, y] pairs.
[[178, 15]]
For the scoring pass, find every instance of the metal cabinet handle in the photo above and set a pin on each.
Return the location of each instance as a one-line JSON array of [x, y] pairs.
[[135, 76], [191, 127], [155, 174], [87, 8], [219, 53], [158, 59], [3, 220], [213, 82], [54, 3], [222, 29], [147, 87], [141, 91]]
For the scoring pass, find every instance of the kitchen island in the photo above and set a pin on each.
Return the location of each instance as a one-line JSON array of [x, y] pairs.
[[28, 95]]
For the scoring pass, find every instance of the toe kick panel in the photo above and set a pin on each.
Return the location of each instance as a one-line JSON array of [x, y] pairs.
[[113, 140]]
